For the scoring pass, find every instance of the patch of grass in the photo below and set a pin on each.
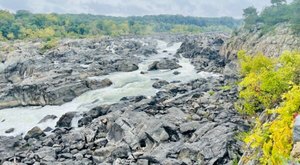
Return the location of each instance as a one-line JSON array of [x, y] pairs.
[[211, 92], [226, 87]]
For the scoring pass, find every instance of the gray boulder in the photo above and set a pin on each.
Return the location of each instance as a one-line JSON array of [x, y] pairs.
[[126, 66], [46, 118], [66, 120], [164, 64], [160, 83], [35, 133], [10, 130], [96, 84]]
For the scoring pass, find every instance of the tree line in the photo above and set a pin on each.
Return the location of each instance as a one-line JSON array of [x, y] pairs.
[[26, 25], [279, 12]]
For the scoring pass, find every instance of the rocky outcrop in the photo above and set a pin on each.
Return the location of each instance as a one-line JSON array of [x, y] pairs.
[[203, 51], [256, 40], [49, 92], [192, 123]]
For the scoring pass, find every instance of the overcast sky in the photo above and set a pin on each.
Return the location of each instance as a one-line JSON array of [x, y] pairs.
[[201, 8]]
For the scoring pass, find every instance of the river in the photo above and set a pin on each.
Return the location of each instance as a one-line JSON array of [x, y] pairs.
[[133, 83]]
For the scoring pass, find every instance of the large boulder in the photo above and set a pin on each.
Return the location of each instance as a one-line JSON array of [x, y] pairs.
[[10, 130], [66, 120], [159, 84], [96, 84], [47, 118], [126, 66], [35, 133], [147, 50], [164, 64]]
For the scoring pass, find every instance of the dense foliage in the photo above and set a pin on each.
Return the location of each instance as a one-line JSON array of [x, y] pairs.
[[272, 85], [279, 12], [23, 25]]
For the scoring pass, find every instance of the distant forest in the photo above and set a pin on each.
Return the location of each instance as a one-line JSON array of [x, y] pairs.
[[26, 25]]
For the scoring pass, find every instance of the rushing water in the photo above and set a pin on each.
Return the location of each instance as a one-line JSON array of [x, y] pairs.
[[124, 84]]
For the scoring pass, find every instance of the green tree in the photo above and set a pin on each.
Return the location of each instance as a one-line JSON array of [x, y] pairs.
[[295, 19], [251, 17], [277, 2], [23, 25], [6, 21], [23, 14]]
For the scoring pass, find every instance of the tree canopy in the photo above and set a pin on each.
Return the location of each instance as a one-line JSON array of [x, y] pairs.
[[279, 12], [24, 24]]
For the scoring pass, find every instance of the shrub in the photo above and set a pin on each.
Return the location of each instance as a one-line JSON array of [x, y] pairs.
[[270, 84], [49, 45], [265, 80], [275, 137]]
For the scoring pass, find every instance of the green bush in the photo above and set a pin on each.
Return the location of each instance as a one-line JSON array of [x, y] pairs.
[[272, 85], [265, 79], [49, 45]]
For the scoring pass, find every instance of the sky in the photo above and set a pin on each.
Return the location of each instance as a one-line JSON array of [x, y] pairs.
[[200, 8]]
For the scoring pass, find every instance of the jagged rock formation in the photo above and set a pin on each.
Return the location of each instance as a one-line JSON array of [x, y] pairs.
[[204, 51], [271, 43]]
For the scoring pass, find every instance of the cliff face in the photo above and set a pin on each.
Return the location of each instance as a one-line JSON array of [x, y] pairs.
[[271, 43], [254, 41]]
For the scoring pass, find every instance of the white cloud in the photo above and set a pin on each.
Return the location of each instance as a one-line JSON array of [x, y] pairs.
[[207, 8]]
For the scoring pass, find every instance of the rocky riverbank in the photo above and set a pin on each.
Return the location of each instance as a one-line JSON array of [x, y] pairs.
[[61, 74], [184, 123], [194, 123]]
